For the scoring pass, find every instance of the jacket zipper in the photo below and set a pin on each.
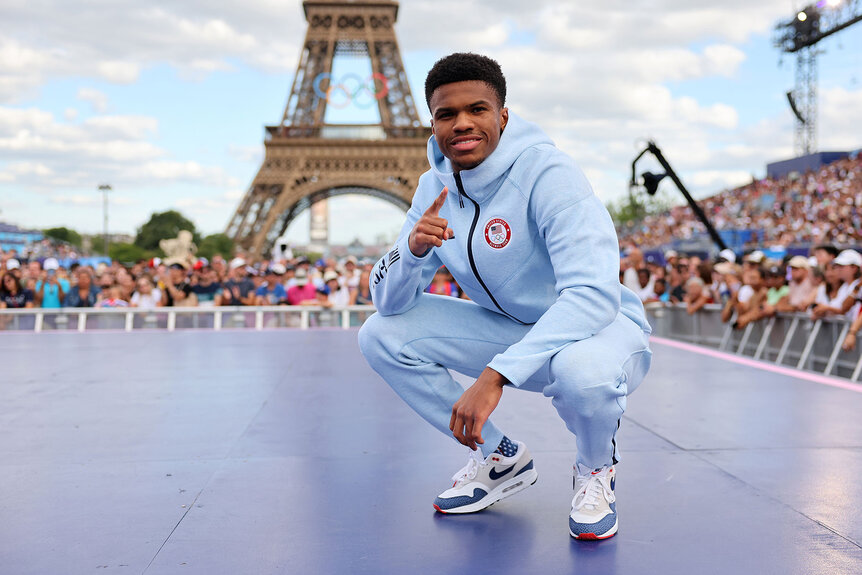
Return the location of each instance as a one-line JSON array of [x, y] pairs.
[[470, 248]]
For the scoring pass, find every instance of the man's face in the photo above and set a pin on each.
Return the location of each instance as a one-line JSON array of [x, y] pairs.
[[177, 275], [798, 275], [643, 278], [467, 120]]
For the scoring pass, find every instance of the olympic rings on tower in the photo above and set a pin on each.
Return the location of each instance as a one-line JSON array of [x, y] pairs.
[[351, 89]]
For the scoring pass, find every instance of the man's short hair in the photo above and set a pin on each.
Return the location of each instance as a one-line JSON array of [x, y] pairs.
[[464, 67], [828, 248]]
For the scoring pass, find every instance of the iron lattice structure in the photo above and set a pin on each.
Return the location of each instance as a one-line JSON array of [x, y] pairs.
[[308, 160], [800, 36]]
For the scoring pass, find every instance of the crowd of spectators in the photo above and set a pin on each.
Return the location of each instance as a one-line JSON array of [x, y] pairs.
[[826, 283], [45, 283], [819, 207]]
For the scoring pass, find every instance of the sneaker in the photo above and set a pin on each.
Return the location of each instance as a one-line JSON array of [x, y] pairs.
[[594, 508], [483, 482]]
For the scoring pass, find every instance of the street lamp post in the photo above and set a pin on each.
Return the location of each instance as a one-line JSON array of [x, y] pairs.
[[105, 188]]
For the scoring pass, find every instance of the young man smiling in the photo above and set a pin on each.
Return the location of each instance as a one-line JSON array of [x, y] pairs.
[[518, 226]]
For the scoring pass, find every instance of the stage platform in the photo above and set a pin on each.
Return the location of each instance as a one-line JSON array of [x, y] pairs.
[[282, 452]]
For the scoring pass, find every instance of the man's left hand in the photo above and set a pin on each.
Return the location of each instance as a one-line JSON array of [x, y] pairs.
[[474, 408]]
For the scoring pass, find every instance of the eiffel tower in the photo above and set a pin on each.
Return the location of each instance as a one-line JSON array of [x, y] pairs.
[[308, 160]]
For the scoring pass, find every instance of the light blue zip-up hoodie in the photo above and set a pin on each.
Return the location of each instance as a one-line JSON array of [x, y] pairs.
[[532, 242]]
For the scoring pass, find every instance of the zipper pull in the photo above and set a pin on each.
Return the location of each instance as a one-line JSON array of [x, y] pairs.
[[458, 185]]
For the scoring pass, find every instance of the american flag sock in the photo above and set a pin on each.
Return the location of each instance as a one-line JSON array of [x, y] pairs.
[[507, 447]]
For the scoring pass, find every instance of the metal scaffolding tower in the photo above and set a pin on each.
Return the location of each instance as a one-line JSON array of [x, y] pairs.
[[799, 36]]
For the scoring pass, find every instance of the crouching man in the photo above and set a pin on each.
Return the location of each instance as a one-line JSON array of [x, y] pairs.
[[516, 223]]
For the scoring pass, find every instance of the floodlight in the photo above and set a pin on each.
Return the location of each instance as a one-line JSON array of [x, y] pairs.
[[802, 16]]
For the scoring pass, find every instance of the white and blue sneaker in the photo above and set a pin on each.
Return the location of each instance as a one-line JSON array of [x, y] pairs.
[[594, 508], [483, 482]]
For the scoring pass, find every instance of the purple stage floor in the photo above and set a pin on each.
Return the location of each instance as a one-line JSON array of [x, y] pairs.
[[282, 452]]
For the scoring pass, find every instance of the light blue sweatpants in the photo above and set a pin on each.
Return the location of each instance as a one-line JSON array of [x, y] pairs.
[[587, 380]]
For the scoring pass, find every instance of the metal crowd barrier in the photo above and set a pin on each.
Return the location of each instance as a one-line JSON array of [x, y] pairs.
[[788, 339], [793, 340], [173, 318]]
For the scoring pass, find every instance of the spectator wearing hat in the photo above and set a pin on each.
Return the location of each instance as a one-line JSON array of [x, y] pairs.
[[12, 267], [272, 291], [303, 290], [339, 295], [301, 268], [351, 273], [754, 259], [671, 258], [849, 263], [238, 289], [175, 287], [696, 295], [84, 293], [777, 292], [50, 290], [726, 255], [725, 281], [801, 289]]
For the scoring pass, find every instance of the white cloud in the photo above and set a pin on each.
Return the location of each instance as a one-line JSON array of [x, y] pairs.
[[45, 155], [202, 208], [98, 100], [75, 199], [599, 79], [118, 71]]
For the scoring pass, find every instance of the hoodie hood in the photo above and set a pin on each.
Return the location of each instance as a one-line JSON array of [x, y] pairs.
[[483, 180]]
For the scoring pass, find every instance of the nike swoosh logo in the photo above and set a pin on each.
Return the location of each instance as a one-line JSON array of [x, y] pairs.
[[495, 476]]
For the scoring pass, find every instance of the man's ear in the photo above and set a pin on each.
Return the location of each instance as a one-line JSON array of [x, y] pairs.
[[432, 126], [504, 119]]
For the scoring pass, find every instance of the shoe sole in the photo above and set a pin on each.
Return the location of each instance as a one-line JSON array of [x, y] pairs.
[[593, 536], [505, 489]]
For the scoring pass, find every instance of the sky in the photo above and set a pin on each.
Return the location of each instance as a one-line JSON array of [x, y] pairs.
[[166, 101]]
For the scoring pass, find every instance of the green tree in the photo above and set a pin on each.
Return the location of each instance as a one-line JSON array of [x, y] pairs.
[[635, 207], [64, 235], [97, 245], [161, 226], [215, 244], [127, 253]]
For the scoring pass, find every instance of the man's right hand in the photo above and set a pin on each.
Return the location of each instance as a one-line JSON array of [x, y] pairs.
[[431, 230]]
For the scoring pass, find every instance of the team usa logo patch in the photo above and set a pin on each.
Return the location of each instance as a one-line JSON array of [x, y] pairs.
[[497, 233]]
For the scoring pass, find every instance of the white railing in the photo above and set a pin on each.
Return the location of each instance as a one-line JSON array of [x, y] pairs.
[[793, 340], [173, 318], [789, 339]]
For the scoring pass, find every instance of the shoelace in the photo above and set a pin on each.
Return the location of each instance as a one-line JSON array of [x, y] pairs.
[[469, 471], [594, 487]]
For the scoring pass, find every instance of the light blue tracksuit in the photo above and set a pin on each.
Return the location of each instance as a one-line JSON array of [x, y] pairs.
[[536, 252]]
